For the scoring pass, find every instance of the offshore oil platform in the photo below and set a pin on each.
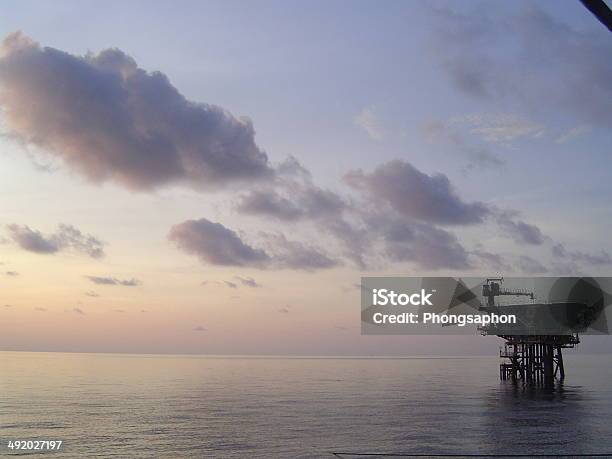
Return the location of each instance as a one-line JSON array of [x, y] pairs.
[[537, 359], [547, 317]]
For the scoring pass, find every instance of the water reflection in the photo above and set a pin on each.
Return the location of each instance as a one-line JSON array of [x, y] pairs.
[[528, 420]]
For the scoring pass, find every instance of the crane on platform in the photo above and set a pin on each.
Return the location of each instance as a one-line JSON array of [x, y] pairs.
[[492, 288]]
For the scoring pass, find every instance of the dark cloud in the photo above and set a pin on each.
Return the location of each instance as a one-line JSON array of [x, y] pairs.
[[407, 240], [415, 201], [114, 281], [400, 206], [32, 241], [602, 258], [109, 120], [284, 310], [427, 246], [490, 260], [247, 281], [297, 255], [293, 196], [322, 208], [291, 200], [269, 203], [12, 273], [353, 237], [231, 284], [66, 237], [215, 244], [558, 250], [518, 230], [414, 194], [545, 65], [291, 167], [528, 265]]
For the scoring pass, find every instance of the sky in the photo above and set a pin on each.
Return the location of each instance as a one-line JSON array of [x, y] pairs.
[[215, 177]]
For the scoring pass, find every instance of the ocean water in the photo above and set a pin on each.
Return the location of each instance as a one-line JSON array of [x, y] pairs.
[[135, 406]]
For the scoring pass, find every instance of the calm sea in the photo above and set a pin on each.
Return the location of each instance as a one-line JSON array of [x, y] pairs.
[[133, 406]]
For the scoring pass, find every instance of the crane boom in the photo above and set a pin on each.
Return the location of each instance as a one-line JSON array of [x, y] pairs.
[[492, 288]]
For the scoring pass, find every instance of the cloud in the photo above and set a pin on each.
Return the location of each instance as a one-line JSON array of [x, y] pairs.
[[284, 310], [69, 236], [500, 127], [92, 294], [367, 120], [396, 219], [478, 156], [529, 265], [247, 282], [32, 241], [65, 237], [114, 281], [215, 244], [292, 199], [491, 260], [518, 230], [297, 255], [269, 202], [400, 207], [231, 284], [602, 258], [414, 194], [354, 238], [12, 273], [79, 311], [566, 269], [109, 120], [39, 309], [199, 328], [206, 282], [572, 133], [427, 246], [538, 65], [291, 167]]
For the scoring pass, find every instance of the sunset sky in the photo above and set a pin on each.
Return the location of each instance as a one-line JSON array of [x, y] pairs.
[[215, 177]]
